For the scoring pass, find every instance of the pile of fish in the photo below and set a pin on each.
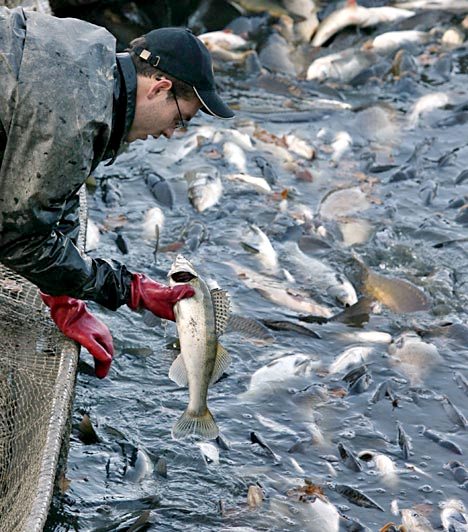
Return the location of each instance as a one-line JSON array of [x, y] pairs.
[[333, 210]]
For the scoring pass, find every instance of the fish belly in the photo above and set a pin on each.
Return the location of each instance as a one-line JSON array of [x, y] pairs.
[[197, 338]]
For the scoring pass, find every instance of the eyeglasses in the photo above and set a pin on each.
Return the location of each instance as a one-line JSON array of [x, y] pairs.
[[181, 124]]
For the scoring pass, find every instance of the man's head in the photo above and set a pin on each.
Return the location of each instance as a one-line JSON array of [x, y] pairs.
[[175, 80]]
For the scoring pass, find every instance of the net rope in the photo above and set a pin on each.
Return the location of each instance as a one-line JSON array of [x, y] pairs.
[[37, 378]]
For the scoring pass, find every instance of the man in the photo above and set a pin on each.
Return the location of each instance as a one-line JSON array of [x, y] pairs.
[[67, 102]]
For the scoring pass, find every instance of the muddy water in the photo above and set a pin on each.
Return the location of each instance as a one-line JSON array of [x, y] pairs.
[[401, 229]]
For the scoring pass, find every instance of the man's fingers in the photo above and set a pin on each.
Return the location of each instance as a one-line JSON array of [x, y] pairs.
[[105, 340], [182, 291], [101, 369], [102, 356]]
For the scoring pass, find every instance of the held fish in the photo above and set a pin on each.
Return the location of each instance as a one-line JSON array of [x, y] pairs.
[[200, 320]]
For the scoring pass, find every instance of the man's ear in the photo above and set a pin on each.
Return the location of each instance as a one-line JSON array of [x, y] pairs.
[[157, 86]]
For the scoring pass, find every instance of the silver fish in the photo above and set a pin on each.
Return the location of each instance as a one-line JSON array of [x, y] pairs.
[[382, 463], [224, 39], [356, 15], [255, 496], [204, 187], [462, 381], [264, 249], [413, 356], [357, 497], [349, 458], [453, 516], [341, 66], [304, 30], [453, 413], [459, 471], [443, 442], [271, 289], [415, 521], [403, 441], [393, 40], [202, 360], [321, 275]]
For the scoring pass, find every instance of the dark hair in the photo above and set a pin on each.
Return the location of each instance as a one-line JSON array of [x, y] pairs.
[[182, 89]]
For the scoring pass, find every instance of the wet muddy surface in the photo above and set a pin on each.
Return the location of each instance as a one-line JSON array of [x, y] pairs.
[[344, 173]]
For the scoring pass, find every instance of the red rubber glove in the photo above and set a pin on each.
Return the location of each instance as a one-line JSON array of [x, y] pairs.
[[155, 297], [75, 321]]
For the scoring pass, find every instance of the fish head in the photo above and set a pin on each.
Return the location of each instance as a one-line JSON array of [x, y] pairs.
[[405, 338], [414, 520], [182, 272]]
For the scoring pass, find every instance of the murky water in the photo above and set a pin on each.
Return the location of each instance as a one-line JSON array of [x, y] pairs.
[[408, 227]]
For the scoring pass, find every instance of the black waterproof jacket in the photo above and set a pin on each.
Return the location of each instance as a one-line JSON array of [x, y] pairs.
[[65, 103]]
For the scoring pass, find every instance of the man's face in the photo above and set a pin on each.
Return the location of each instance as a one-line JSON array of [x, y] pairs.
[[156, 110]]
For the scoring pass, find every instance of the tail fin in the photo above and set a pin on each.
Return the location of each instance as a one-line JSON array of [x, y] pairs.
[[204, 426]]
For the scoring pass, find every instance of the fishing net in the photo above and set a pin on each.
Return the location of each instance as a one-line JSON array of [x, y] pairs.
[[37, 378]]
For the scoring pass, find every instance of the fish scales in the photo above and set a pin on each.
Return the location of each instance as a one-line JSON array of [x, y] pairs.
[[357, 497], [202, 360], [397, 294]]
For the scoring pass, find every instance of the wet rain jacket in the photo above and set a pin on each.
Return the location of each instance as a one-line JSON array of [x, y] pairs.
[[57, 89]]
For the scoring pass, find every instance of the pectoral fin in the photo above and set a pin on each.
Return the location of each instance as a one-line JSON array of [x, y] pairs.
[[223, 359], [221, 306], [178, 372]]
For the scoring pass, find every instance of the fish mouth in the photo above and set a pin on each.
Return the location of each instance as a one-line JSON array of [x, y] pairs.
[[182, 271], [182, 277]]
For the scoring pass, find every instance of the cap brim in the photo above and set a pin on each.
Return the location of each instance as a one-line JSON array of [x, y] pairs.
[[213, 105]]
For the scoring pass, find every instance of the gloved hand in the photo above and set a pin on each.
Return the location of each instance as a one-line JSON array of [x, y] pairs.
[[155, 297], [75, 321]]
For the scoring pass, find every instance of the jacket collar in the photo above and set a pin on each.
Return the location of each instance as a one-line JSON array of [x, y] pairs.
[[125, 85]]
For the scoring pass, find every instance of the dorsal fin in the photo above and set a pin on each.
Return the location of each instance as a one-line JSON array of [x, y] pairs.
[[221, 306]]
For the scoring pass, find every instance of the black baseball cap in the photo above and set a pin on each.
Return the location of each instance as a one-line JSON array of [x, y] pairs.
[[178, 52]]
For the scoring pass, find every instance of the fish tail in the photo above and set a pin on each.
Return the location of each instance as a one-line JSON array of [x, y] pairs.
[[189, 423]]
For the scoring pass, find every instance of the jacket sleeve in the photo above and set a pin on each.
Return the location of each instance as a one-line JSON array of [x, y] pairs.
[[50, 260], [69, 224], [56, 119]]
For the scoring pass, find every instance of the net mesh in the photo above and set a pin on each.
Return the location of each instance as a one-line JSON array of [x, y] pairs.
[[37, 378]]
